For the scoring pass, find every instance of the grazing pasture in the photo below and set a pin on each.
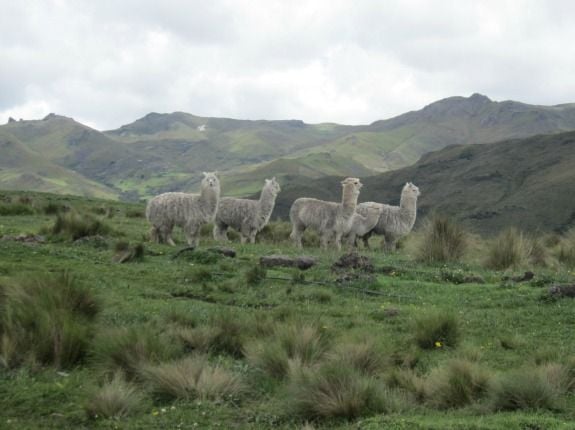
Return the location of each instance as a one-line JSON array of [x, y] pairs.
[[102, 329]]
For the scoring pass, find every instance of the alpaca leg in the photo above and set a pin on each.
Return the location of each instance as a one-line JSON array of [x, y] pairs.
[[192, 232], [296, 234], [351, 241], [365, 239], [165, 234], [253, 236], [338, 241], [324, 240], [220, 232], [389, 244], [154, 235]]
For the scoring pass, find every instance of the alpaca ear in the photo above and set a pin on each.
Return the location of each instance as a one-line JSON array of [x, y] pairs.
[[205, 173]]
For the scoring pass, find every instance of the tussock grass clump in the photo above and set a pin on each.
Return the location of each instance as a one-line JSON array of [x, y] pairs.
[[74, 225], [527, 388], [191, 378], [509, 249], [409, 381], [364, 356], [275, 232], [459, 383], [337, 391], [291, 345], [116, 398], [52, 208], [442, 241], [135, 213], [256, 275], [47, 320], [566, 249], [437, 329], [14, 209], [127, 349]]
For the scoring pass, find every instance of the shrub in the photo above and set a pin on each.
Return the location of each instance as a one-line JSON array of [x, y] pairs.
[[526, 388], [135, 213], [49, 320], [337, 391], [115, 399], [566, 249], [442, 241], [256, 275], [52, 208], [15, 209], [191, 378], [275, 232], [127, 349], [73, 226], [291, 344], [437, 330], [364, 356], [509, 249], [458, 384], [409, 381]]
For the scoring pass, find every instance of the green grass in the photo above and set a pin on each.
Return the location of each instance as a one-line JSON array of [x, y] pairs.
[[276, 353]]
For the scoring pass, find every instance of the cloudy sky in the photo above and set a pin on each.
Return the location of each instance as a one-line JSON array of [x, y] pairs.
[[109, 62]]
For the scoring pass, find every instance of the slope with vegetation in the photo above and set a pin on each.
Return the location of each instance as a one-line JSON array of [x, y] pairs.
[[524, 182], [429, 337], [166, 152]]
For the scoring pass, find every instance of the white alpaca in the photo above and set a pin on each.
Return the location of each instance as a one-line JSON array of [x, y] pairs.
[[394, 221], [248, 217], [188, 211], [330, 219]]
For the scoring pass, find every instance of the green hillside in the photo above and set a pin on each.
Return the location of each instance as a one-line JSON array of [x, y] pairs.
[[167, 152], [23, 169], [525, 182]]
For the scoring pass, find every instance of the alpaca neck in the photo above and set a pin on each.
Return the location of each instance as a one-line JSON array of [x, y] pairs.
[[266, 205], [408, 208], [210, 196], [349, 201]]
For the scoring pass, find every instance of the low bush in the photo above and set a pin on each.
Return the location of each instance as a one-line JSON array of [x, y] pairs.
[[442, 241], [364, 356], [48, 320], [73, 225], [566, 249], [338, 391], [191, 378], [128, 349], [290, 345], [116, 398], [509, 249], [526, 388], [459, 383], [135, 213], [437, 329], [12, 209]]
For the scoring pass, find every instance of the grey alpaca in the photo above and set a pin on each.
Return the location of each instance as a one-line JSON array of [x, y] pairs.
[[362, 224], [189, 211], [394, 221], [330, 219], [248, 217]]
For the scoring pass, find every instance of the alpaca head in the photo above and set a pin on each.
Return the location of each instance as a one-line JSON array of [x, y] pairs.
[[410, 190], [273, 186], [210, 180], [353, 183]]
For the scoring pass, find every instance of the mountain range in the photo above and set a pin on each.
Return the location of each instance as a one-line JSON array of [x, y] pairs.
[[165, 152]]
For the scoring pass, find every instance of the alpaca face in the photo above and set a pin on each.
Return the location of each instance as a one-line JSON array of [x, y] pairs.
[[273, 185], [355, 182], [411, 189], [210, 180]]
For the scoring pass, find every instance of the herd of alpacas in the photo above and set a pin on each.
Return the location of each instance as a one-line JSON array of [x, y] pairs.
[[334, 222]]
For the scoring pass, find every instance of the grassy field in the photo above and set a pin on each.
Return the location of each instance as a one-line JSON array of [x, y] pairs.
[[200, 340]]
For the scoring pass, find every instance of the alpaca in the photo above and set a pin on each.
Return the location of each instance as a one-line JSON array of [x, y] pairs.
[[189, 211], [248, 217], [361, 224], [328, 218], [394, 221]]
